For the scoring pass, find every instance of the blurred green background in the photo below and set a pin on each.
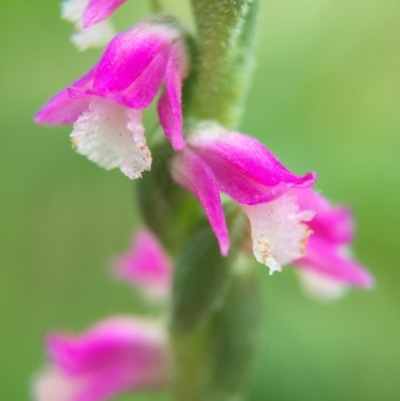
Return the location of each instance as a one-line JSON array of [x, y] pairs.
[[325, 97]]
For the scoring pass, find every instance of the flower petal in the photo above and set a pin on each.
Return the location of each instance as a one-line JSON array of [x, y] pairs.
[[278, 231], [322, 287], [99, 10], [72, 10], [190, 171], [331, 261], [144, 89], [53, 385], [243, 167], [146, 266], [63, 109], [334, 224], [170, 103], [94, 36], [129, 54], [116, 355], [112, 136]]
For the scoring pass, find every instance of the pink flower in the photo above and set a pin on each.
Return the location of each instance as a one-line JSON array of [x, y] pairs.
[[99, 10], [89, 19], [80, 12], [115, 356], [327, 268], [106, 104], [240, 166], [147, 267]]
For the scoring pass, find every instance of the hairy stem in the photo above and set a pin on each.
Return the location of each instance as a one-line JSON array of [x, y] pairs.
[[224, 62]]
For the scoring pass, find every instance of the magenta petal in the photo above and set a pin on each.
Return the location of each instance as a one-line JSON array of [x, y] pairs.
[[143, 90], [330, 261], [334, 224], [61, 110], [116, 355], [128, 55], [99, 10], [193, 174], [146, 266], [170, 103], [244, 168], [64, 108]]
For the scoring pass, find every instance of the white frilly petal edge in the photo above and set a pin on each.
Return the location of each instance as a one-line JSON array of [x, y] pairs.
[[112, 136], [278, 231], [320, 286]]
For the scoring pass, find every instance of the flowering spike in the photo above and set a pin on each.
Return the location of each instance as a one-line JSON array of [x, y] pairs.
[[116, 355], [146, 266]]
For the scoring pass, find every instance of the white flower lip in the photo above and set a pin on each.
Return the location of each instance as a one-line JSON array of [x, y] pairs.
[[112, 136], [278, 231]]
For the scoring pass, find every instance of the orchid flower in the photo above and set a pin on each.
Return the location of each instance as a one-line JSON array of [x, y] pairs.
[[106, 104], [83, 13], [99, 10], [119, 354], [115, 356], [327, 269], [147, 267], [217, 160]]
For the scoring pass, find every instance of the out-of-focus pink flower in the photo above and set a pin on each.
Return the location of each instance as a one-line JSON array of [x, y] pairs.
[[146, 266], [327, 268], [106, 104], [115, 356], [88, 35], [240, 166], [88, 17], [99, 10]]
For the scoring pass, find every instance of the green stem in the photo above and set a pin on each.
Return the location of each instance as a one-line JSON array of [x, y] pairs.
[[215, 307], [156, 6], [225, 31], [214, 316]]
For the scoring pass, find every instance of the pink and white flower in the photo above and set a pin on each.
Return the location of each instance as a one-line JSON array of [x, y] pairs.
[[217, 160], [327, 269], [106, 104], [115, 356], [99, 10], [146, 266], [89, 31]]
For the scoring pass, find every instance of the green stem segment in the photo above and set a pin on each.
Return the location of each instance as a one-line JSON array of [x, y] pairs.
[[225, 30], [215, 305], [214, 316], [156, 6]]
